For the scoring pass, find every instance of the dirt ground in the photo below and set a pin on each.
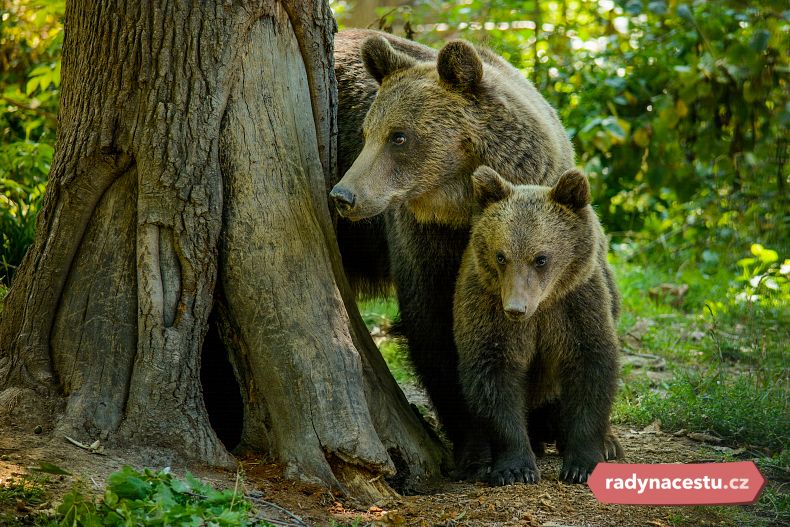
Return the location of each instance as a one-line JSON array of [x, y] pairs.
[[549, 503]]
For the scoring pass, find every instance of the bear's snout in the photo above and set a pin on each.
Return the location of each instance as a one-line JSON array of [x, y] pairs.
[[515, 311], [344, 200]]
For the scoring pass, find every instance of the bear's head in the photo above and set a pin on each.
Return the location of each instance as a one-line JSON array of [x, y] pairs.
[[532, 244], [419, 135]]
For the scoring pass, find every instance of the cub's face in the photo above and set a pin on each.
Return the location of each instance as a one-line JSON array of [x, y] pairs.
[[419, 135], [530, 240]]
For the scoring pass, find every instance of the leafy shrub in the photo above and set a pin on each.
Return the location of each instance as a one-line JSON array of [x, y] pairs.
[[156, 499], [31, 35], [678, 110]]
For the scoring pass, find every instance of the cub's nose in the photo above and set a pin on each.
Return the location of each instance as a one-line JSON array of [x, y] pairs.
[[344, 199], [515, 311]]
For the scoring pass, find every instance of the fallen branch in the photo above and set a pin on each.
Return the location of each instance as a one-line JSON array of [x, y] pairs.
[[265, 503]]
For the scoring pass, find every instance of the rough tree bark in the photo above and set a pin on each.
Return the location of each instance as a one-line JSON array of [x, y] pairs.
[[190, 175]]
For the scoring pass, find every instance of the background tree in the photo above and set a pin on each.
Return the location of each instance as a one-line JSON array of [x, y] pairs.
[[190, 176]]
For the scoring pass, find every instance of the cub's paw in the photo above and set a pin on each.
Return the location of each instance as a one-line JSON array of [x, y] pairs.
[[577, 469], [521, 469], [611, 448]]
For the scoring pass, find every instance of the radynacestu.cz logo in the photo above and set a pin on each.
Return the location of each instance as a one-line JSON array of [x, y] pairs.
[[677, 484]]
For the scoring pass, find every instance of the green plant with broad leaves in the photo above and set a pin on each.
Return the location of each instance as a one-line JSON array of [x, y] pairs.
[[156, 499]]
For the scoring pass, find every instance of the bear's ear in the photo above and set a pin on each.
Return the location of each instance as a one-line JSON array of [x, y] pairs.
[[572, 190], [460, 66], [489, 187], [381, 59]]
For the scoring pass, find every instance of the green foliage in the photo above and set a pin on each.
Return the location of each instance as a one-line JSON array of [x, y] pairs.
[[728, 355], [379, 315], [155, 499], [23, 493], [28, 491], [31, 35], [678, 109], [743, 410]]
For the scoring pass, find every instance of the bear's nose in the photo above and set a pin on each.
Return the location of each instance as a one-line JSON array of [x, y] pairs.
[[344, 199], [515, 311]]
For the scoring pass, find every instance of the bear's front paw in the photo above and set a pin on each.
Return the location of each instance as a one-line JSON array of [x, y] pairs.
[[515, 469], [576, 469]]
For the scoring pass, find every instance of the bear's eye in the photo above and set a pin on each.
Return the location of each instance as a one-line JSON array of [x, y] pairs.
[[500, 258], [398, 138], [540, 261]]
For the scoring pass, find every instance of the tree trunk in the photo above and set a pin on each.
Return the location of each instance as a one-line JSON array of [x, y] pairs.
[[194, 150]]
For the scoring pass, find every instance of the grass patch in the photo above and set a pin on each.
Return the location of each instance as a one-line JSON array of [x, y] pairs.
[[728, 358], [740, 410], [379, 312], [398, 361], [379, 315], [728, 363], [19, 497], [24, 491]]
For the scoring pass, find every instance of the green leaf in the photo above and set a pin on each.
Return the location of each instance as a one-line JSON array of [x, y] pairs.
[[769, 256], [40, 70], [31, 85], [127, 484], [179, 486], [615, 129], [760, 40], [684, 12], [710, 257], [642, 137], [659, 8], [633, 7]]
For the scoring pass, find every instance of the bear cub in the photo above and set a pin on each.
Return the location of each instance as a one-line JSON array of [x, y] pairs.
[[534, 326]]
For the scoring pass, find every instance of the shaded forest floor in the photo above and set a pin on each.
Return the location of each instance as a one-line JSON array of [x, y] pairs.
[[549, 503]]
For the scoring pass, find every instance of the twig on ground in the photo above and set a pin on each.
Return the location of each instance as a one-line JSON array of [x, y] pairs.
[[265, 503]]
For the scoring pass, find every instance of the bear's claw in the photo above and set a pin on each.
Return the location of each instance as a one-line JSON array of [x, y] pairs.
[[611, 447], [575, 474], [518, 472]]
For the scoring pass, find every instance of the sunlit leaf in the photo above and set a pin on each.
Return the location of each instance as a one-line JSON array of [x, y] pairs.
[[759, 42], [31, 85]]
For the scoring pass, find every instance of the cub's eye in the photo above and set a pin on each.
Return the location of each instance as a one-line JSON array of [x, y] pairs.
[[398, 138], [540, 261], [500, 258]]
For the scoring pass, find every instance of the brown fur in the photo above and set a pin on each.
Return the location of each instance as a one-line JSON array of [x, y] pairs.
[[465, 109], [460, 108], [363, 244], [534, 324]]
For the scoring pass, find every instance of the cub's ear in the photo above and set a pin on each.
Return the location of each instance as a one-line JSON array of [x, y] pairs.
[[572, 190], [460, 66], [381, 59], [489, 187]]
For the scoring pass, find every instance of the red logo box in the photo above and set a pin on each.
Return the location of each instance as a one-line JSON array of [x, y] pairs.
[[736, 483]]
